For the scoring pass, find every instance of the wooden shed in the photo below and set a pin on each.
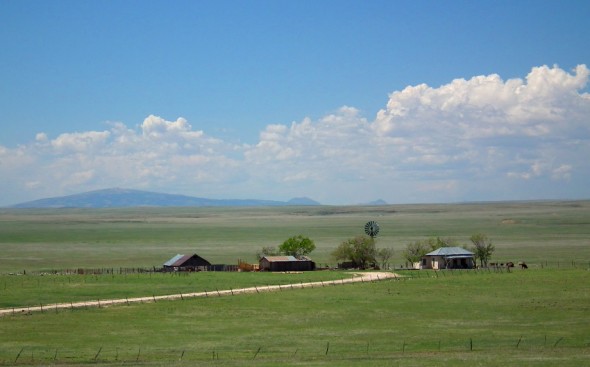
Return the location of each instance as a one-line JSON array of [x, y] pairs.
[[285, 263], [186, 263]]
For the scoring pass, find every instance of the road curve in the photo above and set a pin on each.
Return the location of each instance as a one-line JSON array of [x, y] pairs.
[[356, 277]]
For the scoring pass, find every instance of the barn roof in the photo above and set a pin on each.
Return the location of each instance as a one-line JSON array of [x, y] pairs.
[[282, 258], [176, 260], [180, 260], [450, 252]]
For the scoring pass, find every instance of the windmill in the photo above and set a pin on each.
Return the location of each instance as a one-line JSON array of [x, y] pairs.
[[372, 229]]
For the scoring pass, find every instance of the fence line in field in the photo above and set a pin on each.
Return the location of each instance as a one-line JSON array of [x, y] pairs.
[[328, 349], [126, 270], [543, 264]]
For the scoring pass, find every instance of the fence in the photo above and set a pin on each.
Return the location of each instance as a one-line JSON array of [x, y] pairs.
[[121, 270], [542, 264], [329, 350]]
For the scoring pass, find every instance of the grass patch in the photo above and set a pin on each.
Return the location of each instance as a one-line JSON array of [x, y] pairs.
[[536, 317], [540, 233], [533, 317], [34, 290]]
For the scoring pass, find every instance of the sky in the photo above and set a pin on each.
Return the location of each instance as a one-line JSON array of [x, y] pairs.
[[341, 101]]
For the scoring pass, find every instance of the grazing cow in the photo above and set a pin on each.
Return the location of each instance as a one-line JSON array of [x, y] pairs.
[[510, 264], [523, 265]]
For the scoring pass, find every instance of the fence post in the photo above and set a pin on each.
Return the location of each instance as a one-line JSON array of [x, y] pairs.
[[258, 351], [18, 355], [97, 353]]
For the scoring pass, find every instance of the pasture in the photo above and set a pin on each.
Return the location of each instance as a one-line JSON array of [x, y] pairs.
[[536, 317], [540, 233]]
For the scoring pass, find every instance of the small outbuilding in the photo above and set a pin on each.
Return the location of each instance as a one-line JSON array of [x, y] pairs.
[[285, 263], [448, 258], [186, 263]]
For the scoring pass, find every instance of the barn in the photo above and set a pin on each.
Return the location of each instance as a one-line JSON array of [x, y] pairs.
[[448, 258], [285, 263], [186, 263]]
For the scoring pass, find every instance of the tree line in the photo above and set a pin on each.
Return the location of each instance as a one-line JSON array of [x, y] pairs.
[[362, 252], [481, 246]]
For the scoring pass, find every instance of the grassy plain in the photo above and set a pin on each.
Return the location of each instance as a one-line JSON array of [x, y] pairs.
[[538, 233], [535, 318]]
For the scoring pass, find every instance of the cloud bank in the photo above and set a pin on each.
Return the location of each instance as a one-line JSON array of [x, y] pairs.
[[472, 139]]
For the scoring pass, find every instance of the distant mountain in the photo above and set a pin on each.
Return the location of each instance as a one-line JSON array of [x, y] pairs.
[[119, 198], [377, 202], [302, 201]]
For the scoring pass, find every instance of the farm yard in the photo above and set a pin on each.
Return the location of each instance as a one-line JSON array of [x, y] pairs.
[[534, 317]]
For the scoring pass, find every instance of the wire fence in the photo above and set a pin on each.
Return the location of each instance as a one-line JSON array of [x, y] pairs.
[[128, 270], [504, 266], [327, 349]]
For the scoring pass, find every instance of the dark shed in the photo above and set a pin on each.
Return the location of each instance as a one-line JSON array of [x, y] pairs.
[[186, 263], [286, 263]]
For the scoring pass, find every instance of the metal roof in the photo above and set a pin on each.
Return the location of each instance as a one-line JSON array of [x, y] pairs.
[[450, 252], [177, 260], [281, 258], [173, 260]]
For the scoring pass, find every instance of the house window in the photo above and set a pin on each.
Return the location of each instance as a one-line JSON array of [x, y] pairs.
[[424, 261]]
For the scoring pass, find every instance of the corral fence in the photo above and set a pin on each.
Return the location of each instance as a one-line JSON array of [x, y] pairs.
[[126, 271], [329, 350], [502, 266]]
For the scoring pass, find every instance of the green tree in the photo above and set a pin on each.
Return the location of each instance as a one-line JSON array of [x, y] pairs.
[[267, 251], [360, 250], [482, 248], [297, 246], [383, 255], [415, 250]]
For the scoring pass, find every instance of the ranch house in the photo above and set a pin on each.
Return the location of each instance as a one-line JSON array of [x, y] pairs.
[[186, 263], [285, 263], [448, 258]]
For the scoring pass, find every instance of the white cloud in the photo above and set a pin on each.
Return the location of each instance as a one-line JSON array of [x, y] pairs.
[[481, 138], [80, 142]]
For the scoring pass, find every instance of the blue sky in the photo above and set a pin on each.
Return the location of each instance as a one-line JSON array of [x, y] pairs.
[[341, 101]]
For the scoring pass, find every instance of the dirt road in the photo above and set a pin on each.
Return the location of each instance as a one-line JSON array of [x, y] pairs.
[[356, 277]]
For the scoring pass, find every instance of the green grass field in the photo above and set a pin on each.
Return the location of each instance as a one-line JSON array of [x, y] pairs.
[[538, 233], [534, 317]]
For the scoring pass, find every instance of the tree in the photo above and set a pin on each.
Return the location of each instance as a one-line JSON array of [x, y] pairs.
[[297, 246], [416, 250], [267, 251], [360, 250], [482, 248], [383, 255]]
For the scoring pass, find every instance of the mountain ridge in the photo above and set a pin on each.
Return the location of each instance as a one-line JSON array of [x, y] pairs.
[[121, 198]]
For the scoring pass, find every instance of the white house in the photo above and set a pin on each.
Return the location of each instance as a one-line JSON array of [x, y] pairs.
[[448, 258]]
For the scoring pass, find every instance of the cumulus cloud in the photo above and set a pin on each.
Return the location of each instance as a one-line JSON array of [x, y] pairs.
[[482, 138]]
